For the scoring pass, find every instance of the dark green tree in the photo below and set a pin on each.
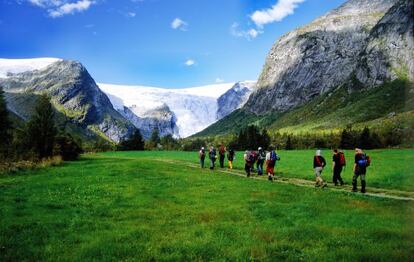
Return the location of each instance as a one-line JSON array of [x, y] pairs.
[[347, 139], [364, 140], [289, 145], [155, 137], [67, 147], [264, 139], [41, 130], [135, 142], [168, 142], [5, 127]]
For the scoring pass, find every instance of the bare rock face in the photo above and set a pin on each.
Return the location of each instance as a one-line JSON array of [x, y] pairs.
[[316, 58], [234, 98], [162, 118], [74, 93], [389, 53]]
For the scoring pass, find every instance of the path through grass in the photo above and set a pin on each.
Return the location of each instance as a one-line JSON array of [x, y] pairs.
[[106, 207]]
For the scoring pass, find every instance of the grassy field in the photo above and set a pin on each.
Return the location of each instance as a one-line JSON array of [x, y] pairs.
[[136, 206]]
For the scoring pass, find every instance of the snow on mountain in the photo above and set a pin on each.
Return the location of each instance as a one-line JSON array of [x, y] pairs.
[[234, 98], [15, 66], [180, 112], [194, 108]]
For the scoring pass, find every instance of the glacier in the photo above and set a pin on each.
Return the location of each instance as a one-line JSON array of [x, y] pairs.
[[180, 112], [194, 108]]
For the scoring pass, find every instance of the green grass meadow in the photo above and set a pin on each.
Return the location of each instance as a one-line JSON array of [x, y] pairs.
[[140, 206]]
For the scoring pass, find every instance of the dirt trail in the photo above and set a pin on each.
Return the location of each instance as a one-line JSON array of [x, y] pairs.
[[372, 191]]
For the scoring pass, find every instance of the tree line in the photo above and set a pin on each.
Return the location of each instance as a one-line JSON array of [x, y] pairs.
[[252, 137], [38, 139]]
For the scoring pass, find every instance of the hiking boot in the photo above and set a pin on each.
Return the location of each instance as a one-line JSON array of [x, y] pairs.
[[324, 185], [363, 184], [270, 178], [354, 190]]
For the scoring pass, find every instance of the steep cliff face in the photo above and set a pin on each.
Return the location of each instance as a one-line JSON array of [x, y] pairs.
[[389, 53], [162, 118], [74, 93], [234, 98], [313, 59]]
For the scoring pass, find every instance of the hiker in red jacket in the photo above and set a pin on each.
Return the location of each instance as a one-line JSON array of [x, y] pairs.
[[318, 164], [338, 162], [222, 155]]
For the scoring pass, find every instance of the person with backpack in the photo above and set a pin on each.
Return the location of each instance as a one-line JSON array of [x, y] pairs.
[[261, 157], [202, 156], [222, 155], [248, 162], [338, 162], [319, 163], [230, 157], [271, 158], [362, 161], [213, 156]]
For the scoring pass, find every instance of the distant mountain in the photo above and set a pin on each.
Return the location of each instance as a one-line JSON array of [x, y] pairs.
[[354, 65], [234, 98], [113, 113], [180, 112], [80, 104]]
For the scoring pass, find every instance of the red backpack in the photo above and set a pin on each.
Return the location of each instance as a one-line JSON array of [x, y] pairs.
[[342, 160]]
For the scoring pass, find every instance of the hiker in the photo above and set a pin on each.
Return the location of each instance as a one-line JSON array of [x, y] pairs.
[[248, 159], [271, 158], [222, 154], [318, 164], [261, 157], [202, 156], [362, 161], [253, 159], [213, 156], [338, 162], [230, 157]]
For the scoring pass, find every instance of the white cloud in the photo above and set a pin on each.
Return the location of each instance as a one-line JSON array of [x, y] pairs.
[[131, 14], [219, 80], [177, 23], [59, 8], [70, 8], [276, 13], [249, 34], [190, 62]]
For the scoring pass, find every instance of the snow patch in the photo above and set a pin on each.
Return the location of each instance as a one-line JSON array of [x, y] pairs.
[[15, 66], [195, 108]]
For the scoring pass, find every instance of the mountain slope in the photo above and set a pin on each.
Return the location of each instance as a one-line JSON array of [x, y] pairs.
[[316, 58], [323, 90], [73, 93]]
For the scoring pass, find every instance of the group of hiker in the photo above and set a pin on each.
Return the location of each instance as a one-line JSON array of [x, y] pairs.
[[262, 157]]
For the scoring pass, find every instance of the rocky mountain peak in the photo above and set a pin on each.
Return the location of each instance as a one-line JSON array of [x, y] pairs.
[[316, 58]]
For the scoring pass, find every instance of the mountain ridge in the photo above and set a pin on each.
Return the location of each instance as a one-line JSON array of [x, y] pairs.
[[298, 98]]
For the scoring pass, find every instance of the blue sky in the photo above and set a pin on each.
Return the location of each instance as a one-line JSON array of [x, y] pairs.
[[166, 43]]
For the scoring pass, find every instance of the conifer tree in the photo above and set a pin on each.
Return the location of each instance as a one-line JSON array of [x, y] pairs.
[[5, 126], [41, 130], [155, 137]]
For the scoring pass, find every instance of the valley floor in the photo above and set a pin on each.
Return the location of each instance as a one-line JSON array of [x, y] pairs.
[[162, 206]]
